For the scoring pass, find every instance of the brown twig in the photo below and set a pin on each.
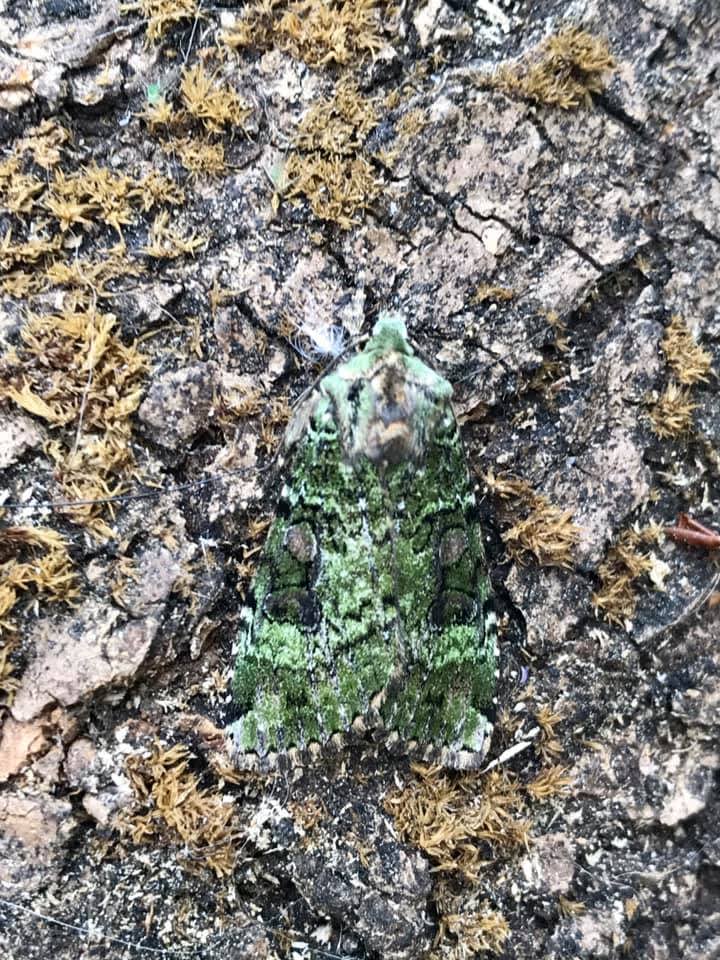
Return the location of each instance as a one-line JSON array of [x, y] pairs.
[[694, 533]]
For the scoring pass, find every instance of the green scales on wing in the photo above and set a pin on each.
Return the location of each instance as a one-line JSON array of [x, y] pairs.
[[370, 606]]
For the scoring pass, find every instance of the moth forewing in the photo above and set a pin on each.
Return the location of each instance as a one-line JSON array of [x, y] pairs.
[[371, 602]]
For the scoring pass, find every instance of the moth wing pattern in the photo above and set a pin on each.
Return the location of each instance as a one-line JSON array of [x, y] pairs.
[[371, 600]]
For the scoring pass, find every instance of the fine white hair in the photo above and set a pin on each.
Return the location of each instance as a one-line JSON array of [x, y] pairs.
[[315, 342]]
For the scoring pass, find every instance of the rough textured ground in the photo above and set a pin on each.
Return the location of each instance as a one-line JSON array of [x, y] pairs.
[[540, 251]]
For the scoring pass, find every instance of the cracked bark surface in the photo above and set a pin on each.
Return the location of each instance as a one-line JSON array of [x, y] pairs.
[[606, 217]]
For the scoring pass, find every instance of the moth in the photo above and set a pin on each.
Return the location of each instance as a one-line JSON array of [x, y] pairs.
[[371, 608]]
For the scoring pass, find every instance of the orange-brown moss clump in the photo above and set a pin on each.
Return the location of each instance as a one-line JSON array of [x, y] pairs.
[[623, 566], [671, 414], [685, 357], [210, 101], [162, 15], [563, 71], [72, 369], [207, 106], [471, 932], [327, 166], [489, 292], [174, 809], [318, 32], [74, 372], [463, 824], [448, 816], [34, 561], [545, 531]]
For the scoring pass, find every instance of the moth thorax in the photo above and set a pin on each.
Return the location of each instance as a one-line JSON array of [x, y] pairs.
[[391, 435], [390, 444]]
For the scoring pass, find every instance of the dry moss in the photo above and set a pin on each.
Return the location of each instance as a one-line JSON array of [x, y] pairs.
[[548, 745], [70, 205], [20, 190], [34, 561], [45, 143], [156, 189], [74, 372], [624, 565], [489, 292], [685, 357], [8, 683], [326, 166], [26, 252], [167, 242], [210, 101], [671, 414], [544, 530], [199, 157], [338, 126], [207, 107], [563, 71], [631, 905], [558, 325], [318, 32], [309, 813], [336, 188], [188, 128], [550, 782], [245, 568], [71, 368], [175, 810], [463, 823], [268, 439], [570, 908], [256, 528], [411, 123], [548, 533], [507, 487], [162, 15], [159, 114], [91, 275], [91, 193], [466, 934], [454, 819], [234, 405]]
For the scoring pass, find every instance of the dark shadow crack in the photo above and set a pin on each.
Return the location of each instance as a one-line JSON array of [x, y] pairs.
[[571, 245], [542, 132], [443, 200], [518, 234], [490, 218], [616, 112], [704, 231]]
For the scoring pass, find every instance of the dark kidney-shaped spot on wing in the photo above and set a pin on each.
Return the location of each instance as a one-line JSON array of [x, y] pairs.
[[453, 608], [293, 606]]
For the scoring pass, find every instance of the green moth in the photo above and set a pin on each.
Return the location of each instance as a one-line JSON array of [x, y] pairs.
[[370, 608]]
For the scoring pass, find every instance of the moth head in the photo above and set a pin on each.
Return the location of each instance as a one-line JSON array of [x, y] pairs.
[[389, 333], [386, 402]]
